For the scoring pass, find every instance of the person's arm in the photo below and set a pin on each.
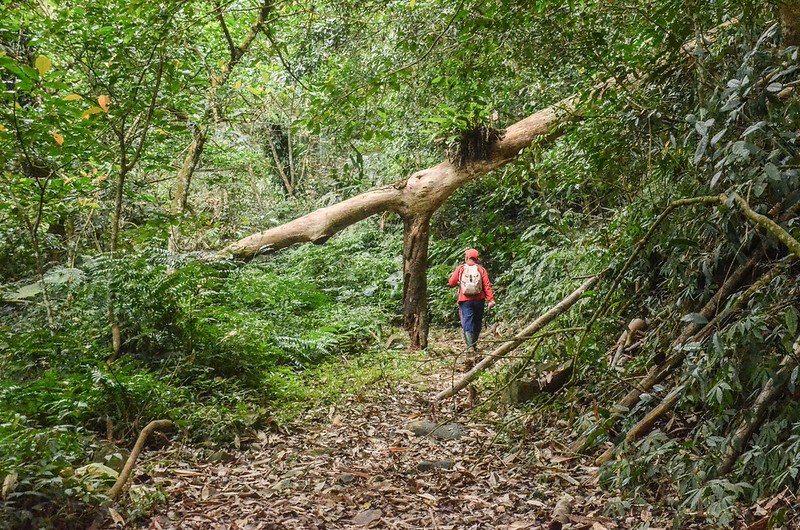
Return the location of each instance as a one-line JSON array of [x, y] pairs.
[[453, 281], [487, 287]]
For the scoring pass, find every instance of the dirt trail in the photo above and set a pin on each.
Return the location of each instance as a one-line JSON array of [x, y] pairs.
[[360, 467]]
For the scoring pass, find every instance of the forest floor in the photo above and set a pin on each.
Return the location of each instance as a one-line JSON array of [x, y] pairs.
[[357, 464]]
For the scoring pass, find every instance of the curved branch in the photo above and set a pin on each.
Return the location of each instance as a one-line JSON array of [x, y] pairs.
[[154, 425]]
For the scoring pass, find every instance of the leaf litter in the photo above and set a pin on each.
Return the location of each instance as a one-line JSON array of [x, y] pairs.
[[358, 465]]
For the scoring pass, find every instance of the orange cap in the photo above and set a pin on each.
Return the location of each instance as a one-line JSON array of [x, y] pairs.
[[471, 254]]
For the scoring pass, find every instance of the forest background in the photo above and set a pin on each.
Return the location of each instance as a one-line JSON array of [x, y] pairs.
[[140, 138]]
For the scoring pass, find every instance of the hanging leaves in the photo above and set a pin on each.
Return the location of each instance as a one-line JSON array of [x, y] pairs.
[[104, 101], [43, 64], [57, 137], [90, 111]]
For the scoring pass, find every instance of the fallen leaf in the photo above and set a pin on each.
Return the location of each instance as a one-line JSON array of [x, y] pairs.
[[9, 483], [115, 516]]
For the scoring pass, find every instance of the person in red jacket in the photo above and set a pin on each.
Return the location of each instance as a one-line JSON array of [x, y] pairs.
[[474, 291]]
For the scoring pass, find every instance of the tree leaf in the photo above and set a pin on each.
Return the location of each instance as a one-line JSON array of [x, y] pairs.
[[73, 97], [43, 64], [58, 137], [775, 87], [104, 101], [90, 111]]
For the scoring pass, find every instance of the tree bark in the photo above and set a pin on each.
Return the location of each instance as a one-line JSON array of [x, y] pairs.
[[190, 163], [415, 279], [790, 22]]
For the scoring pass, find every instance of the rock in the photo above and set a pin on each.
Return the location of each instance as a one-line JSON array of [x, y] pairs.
[[219, 457], [428, 465], [284, 484], [110, 455], [365, 517], [345, 479], [448, 431]]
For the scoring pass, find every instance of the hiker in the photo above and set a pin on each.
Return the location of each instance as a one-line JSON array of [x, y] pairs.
[[474, 289]]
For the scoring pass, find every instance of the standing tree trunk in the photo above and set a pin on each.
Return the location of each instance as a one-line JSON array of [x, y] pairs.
[[415, 280], [184, 180], [190, 163]]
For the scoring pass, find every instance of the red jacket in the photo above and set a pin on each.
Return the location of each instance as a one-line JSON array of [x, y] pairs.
[[485, 294]]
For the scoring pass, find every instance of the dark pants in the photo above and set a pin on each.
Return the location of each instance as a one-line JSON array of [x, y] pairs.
[[471, 314]]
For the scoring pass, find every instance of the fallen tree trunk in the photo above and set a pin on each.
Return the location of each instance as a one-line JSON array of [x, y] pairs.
[[415, 200], [644, 425], [658, 373], [518, 339], [772, 389]]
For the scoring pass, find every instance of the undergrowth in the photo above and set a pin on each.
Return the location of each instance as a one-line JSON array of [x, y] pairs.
[[220, 348]]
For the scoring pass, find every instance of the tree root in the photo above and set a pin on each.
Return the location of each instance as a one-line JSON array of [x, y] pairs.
[[154, 425]]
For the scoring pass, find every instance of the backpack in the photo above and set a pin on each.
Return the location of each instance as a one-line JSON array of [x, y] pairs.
[[471, 282]]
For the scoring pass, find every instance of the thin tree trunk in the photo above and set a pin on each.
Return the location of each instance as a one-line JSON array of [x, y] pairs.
[[415, 280], [199, 135], [184, 178], [183, 181], [287, 184], [116, 222]]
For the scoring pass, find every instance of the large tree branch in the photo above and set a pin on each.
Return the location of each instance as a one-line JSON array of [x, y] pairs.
[[421, 193]]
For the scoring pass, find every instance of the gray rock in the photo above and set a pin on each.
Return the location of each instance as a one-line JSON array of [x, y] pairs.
[[429, 465], [219, 457], [345, 479], [448, 431], [365, 517]]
